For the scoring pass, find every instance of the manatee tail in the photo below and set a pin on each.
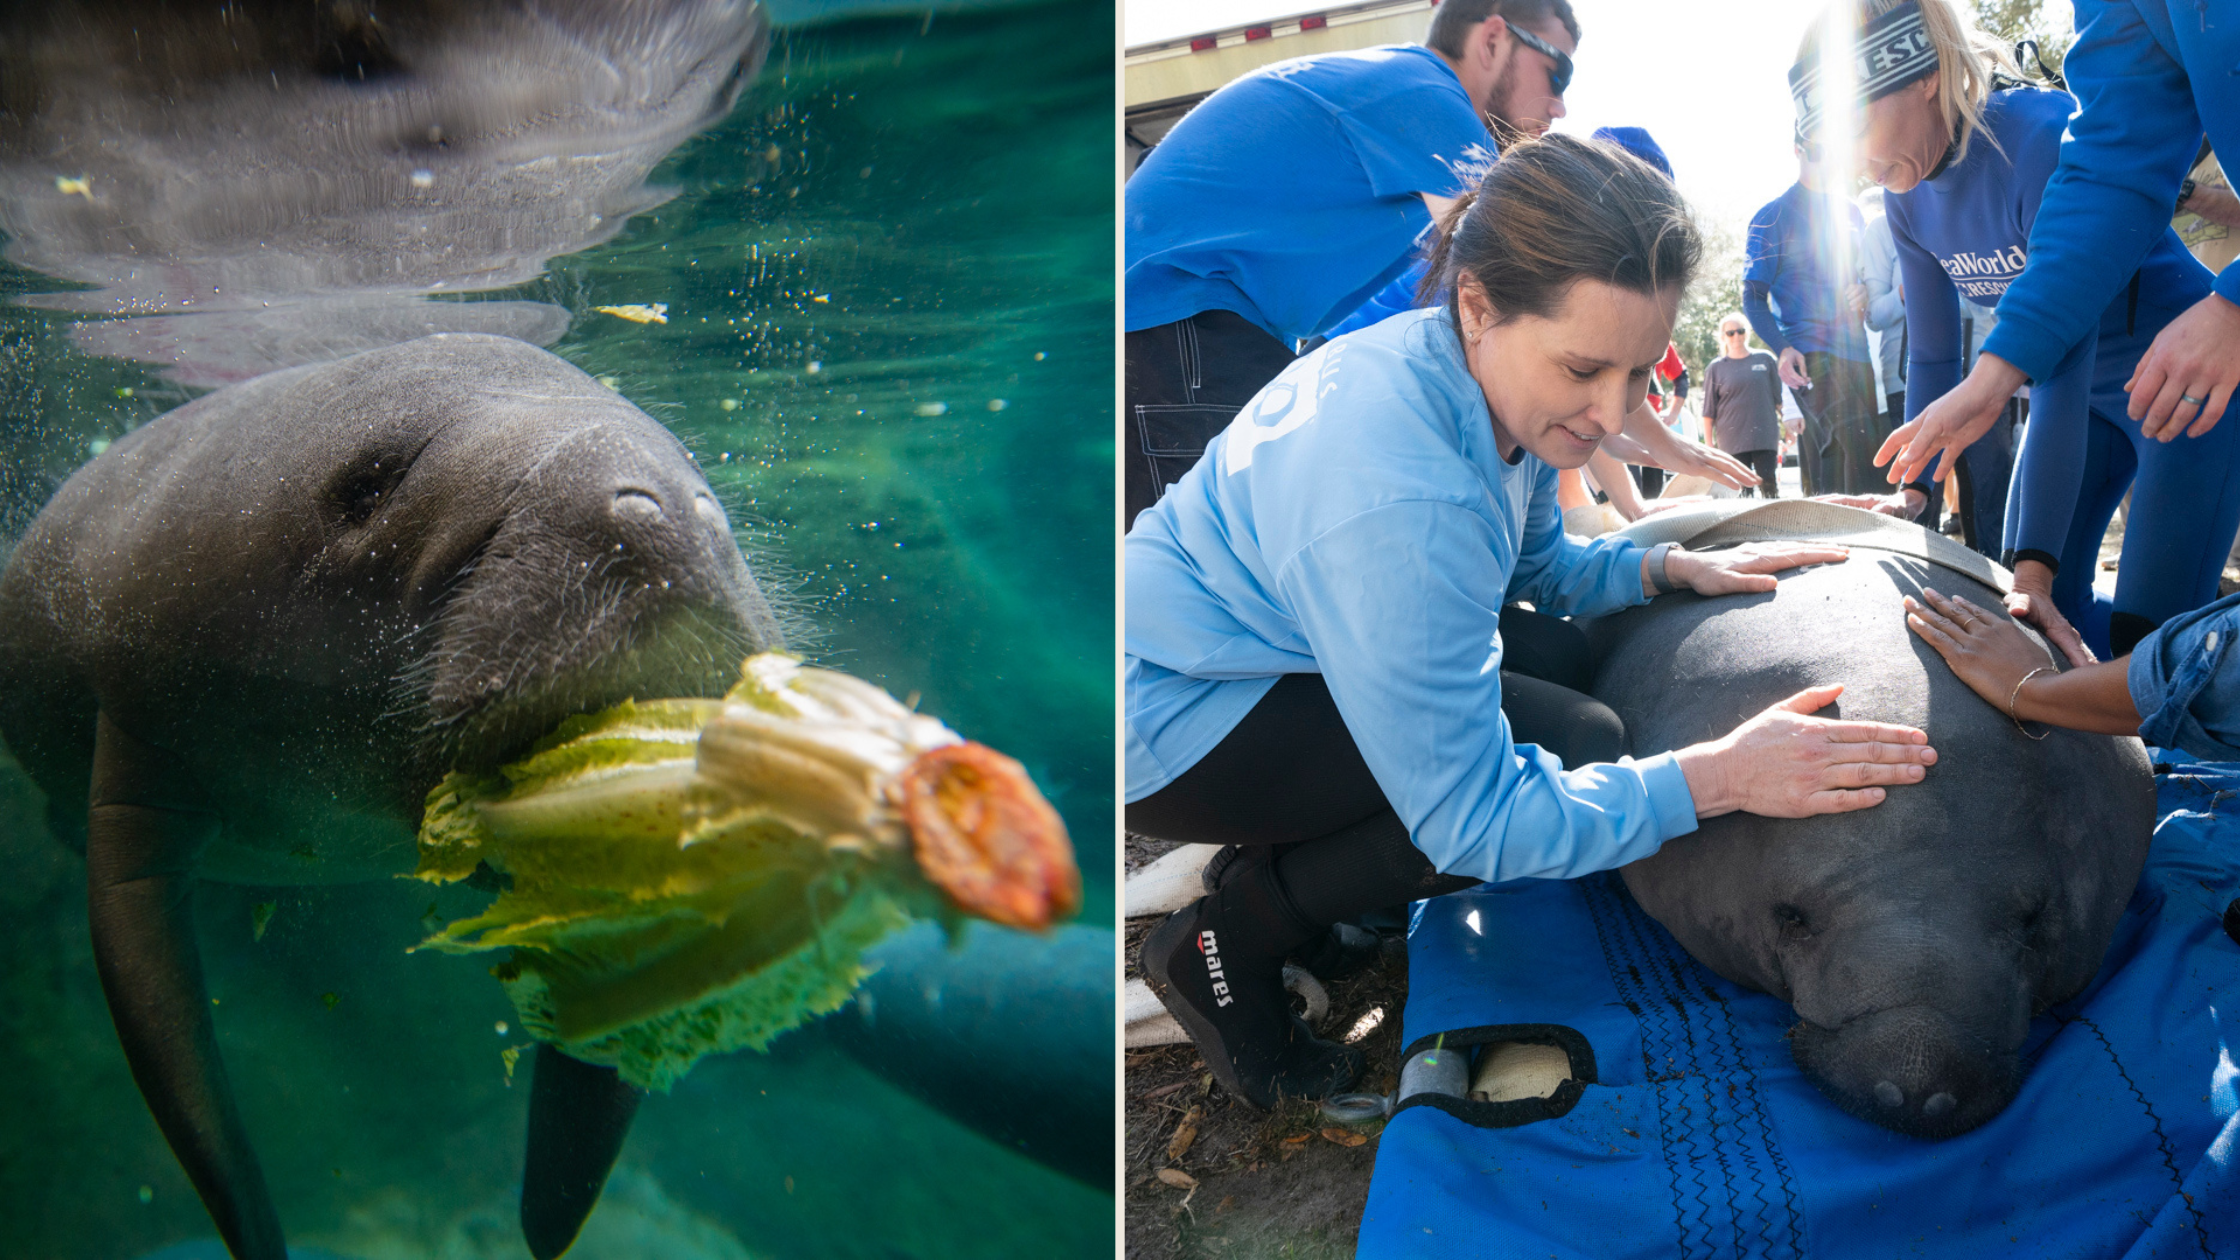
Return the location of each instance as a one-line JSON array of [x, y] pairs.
[[143, 832], [578, 1115]]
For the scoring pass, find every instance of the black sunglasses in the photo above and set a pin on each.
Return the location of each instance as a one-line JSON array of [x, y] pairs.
[[1559, 77], [1730, 332]]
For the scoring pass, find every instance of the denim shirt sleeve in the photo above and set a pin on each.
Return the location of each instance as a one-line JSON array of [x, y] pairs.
[[2185, 682]]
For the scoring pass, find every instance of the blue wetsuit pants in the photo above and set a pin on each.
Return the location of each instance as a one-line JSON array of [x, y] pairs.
[[2185, 507], [1984, 471]]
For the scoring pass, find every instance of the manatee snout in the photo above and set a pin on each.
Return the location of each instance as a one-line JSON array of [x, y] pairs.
[[612, 573], [1914, 1069]]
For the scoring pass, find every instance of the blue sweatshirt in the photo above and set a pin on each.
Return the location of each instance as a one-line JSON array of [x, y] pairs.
[[1357, 521], [1294, 193], [1802, 260], [1965, 234], [2150, 76]]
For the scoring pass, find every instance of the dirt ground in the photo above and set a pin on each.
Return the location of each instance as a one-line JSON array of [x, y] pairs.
[[1208, 1176]]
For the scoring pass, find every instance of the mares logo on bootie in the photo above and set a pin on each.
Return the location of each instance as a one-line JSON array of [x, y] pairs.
[[1212, 951]]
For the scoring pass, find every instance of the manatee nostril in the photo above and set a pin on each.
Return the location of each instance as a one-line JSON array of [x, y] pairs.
[[1939, 1104], [637, 504], [710, 511], [1889, 1095], [1794, 925]]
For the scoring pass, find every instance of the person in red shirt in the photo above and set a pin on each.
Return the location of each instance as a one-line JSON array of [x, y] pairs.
[[1671, 380]]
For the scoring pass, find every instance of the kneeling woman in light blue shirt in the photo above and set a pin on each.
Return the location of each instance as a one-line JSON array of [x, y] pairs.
[[1320, 668]]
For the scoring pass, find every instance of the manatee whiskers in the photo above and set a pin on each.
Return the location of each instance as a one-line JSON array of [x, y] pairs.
[[478, 710], [1909, 1068]]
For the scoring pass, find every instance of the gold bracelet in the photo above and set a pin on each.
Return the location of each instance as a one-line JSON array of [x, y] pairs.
[[2016, 695]]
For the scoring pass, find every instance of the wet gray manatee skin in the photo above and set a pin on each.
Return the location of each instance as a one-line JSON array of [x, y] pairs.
[[1917, 938], [245, 641], [320, 589]]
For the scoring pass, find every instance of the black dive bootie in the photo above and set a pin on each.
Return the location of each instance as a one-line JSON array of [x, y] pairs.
[[1217, 965], [1335, 952]]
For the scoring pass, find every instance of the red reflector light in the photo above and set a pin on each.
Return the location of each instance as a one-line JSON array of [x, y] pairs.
[[1314, 23], [1201, 44], [1256, 32]]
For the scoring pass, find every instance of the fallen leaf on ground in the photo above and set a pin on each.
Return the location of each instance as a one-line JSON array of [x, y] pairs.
[[1227, 1201], [1177, 1178], [1296, 1138], [1343, 1137], [1184, 1134]]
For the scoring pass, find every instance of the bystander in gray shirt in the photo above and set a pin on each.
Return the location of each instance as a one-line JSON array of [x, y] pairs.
[[1743, 398]]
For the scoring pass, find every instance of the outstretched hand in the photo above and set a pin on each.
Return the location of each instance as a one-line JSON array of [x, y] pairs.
[[1786, 763], [1952, 423], [1744, 569], [1905, 504], [1676, 454]]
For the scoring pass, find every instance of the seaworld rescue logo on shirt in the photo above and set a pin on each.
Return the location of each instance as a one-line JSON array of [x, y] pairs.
[[1286, 404], [1470, 169], [1985, 275]]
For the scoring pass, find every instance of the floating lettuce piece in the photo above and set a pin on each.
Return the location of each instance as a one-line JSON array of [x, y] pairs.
[[688, 877]]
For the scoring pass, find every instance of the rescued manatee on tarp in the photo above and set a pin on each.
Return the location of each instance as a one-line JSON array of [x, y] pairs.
[[1915, 939]]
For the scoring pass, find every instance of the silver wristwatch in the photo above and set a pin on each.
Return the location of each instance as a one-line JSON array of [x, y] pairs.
[[1657, 575]]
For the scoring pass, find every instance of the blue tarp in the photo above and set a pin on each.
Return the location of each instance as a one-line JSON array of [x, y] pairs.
[[1699, 1136]]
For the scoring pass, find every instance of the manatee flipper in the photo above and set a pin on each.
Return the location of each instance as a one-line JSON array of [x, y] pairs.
[[144, 827], [578, 1115]]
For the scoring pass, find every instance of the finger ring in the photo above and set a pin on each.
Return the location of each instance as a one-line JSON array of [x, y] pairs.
[[2191, 399]]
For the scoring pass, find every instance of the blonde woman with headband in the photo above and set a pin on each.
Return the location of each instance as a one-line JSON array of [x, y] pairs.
[[1964, 151], [2152, 76]]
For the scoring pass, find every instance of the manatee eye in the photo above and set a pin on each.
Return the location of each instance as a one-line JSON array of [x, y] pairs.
[[358, 491], [2033, 926], [1793, 924]]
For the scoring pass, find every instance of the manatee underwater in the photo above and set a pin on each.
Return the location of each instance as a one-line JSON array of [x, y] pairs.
[[1915, 939], [251, 640]]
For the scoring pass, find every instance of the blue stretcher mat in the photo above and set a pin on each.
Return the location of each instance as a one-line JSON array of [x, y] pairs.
[[1692, 1133]]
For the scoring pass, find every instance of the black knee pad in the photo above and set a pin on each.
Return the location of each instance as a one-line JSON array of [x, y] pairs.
[[1598, 734], [2126, 629]]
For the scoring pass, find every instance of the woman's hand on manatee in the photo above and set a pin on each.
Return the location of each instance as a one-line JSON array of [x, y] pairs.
[[1785, 763], [1989, 652], [2032, 601], [1744, 569], [1905, 503]]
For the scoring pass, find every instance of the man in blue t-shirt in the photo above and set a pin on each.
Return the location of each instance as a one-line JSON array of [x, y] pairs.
[[1291, 195], [1801, 289]]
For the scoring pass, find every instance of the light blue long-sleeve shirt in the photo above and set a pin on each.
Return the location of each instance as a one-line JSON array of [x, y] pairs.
[[1886, 308], [1357, 520], [2149, 76]]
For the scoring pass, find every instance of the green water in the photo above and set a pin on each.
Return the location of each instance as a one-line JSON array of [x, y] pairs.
[[895, 258]]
